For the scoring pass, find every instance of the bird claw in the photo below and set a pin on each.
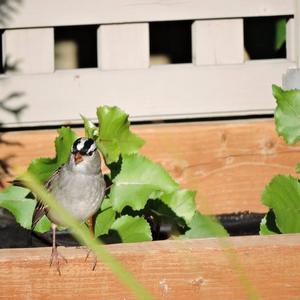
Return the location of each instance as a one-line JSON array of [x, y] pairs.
[[55, 256], [94, 259]]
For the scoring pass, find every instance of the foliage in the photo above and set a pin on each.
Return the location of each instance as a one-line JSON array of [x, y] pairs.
[[115, 138], [43, 168], [282, 194], [131, 229], [280, 32], [139, 180], [204, 226], [16, 199], [287, 114], [141, 190]]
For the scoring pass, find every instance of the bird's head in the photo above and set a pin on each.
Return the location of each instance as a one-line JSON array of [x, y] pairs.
[[84, 156]]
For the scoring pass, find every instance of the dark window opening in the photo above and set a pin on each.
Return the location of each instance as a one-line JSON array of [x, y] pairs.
[[75, 47], [264, 37], [170, 42]]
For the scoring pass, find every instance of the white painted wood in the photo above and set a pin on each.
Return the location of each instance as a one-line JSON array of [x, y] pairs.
[[32, 50], [123, 46], [48, 13], [291, 40], [216, 42], [162, 92], [297, 31]]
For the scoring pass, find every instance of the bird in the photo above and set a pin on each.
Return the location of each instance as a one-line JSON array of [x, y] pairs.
[[78, 185]]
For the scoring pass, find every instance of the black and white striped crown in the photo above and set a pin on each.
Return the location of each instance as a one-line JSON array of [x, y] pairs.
[[84, 146]]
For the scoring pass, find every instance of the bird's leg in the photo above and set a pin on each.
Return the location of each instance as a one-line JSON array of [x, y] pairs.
[[54, 253], [91, 227]]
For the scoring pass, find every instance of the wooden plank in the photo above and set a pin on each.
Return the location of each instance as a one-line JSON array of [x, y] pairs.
[[123, 46], [162, 92], [35, 13], [191, 269], [297, 31], [216, 42], [31, 50], [227, 163], [291, 40]]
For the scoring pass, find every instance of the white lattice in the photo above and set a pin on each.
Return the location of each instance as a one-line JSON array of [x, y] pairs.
[[218, 81]]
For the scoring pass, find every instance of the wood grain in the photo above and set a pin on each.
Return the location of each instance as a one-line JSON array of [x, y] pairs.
[[192, 269], [227, 163], [212, 34]]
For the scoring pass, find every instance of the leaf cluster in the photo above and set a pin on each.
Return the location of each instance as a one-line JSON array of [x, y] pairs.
[[282, 194], [142, 200]]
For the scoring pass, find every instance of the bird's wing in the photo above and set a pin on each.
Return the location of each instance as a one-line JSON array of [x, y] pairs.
[[39, 212], [41, 209]]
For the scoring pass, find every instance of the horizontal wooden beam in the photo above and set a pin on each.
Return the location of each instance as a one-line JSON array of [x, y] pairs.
[[192, 269], [34, 13], [227, 163], [163, 92]]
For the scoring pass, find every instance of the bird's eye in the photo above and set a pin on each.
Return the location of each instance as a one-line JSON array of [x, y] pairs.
[[89, 153]]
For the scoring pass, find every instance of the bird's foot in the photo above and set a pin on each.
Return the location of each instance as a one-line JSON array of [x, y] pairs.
[[94, 258], [55, 259]]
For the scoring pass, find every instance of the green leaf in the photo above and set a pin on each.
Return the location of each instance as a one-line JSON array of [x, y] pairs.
[[43, 168], [132, 229], [139, 180], [282, 194], [298, 168], [280, 32], [91, 130], [263, 228], [115, 138], [14, 199], [287, 114], [182, 202], [105, 218], [204, 226], [268, 225], [43, 225]]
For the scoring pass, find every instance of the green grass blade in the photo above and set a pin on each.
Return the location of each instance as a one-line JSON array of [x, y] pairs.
[[232, 257]]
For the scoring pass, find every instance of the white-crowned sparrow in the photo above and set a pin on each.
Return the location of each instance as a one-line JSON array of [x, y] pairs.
[[78, 186]]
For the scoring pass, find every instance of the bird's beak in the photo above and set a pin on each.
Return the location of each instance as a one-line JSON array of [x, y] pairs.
[[78, 158]]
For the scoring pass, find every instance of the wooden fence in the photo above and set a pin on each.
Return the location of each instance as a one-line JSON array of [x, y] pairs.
[[228, 163], [218, 82]]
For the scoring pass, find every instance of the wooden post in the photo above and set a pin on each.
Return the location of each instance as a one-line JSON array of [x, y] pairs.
[[291, 40], [216, 42], [297, 31], [123, 46], [30, 50]]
